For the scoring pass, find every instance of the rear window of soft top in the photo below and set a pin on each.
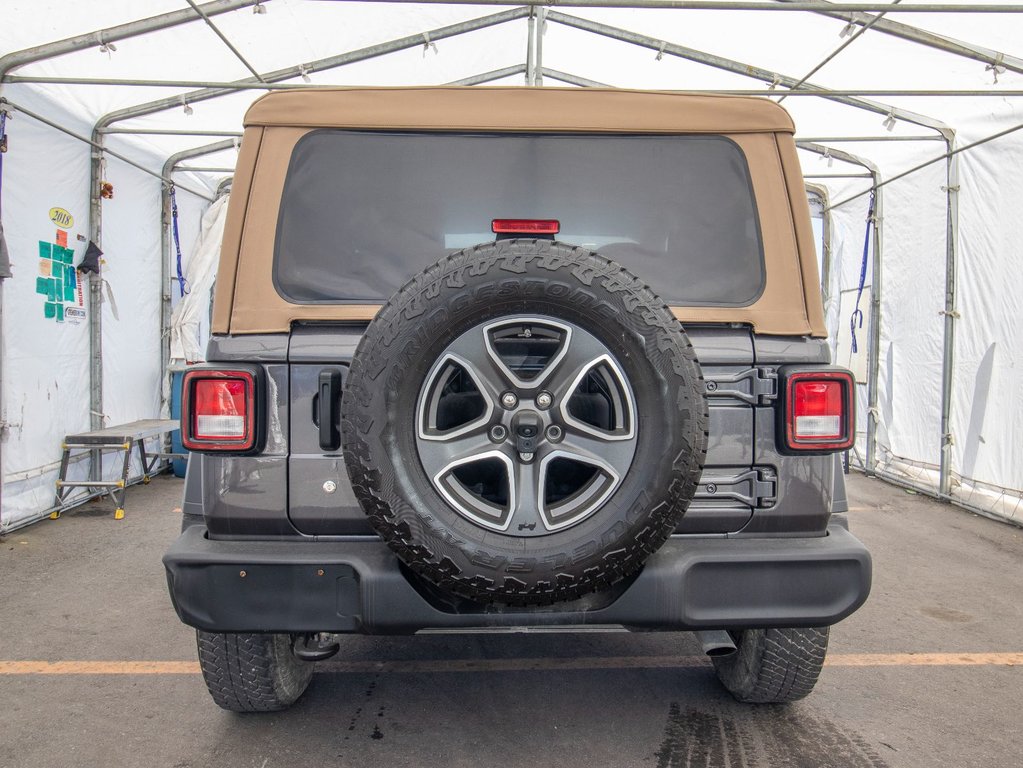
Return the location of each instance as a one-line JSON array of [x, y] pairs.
[[362, 212]]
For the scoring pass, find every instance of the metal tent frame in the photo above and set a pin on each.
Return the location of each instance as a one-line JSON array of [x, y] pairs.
[[864, 16]]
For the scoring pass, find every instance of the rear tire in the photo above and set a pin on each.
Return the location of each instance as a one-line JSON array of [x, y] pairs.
[[773, 666], [251, 673]]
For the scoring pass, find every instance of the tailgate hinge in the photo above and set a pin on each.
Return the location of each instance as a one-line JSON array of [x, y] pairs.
[[755, 487], [763, 386]]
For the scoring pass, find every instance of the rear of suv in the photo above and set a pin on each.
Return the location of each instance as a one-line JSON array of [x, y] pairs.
[[507, 357]]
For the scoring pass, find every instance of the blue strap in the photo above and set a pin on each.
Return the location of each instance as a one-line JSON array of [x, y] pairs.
[[182, 283], [856, 320], [3, 148]]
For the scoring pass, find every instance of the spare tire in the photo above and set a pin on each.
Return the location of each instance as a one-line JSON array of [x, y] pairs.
[[524, 422]]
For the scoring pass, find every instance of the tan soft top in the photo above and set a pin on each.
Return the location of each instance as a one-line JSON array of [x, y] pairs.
[[247, 300], [517, 108]]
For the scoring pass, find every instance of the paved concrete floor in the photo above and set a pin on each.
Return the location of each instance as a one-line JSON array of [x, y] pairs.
[[87, 588]]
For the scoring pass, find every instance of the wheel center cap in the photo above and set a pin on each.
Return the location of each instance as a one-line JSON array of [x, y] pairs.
[[527, 427]]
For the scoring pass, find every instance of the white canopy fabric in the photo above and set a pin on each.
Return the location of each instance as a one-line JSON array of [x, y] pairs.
[[973, 456]]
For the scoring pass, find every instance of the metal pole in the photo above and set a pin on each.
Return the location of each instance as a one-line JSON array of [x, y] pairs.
[[796, 90], [823, 62], [489, 77], [170, 166], [541, 27], [96, 144], [165, 296], [844, 139], [95, 305], [923, 37], [740, 68], [331, 62], [115, 34], [169, 132], [933, 160], [223, 37], [733, 5], [874, 343], [204, 169], [837, 176], [531, 48], [951, 315], [565, 77], [822, 192]]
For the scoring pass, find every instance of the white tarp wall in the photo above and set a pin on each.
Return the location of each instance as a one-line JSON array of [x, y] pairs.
[[46, 361], [986, 420]]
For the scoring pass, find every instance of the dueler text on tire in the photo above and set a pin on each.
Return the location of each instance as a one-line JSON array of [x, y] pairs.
[[524, 422]]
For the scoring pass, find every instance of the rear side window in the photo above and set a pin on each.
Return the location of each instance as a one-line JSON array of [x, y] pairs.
[[364, 211]]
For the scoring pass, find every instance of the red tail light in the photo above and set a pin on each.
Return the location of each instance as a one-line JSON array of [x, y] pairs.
[[525, 226], [819, 411], [218, 410]]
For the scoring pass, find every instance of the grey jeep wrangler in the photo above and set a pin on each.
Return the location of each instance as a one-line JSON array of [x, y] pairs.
[[511, 357]]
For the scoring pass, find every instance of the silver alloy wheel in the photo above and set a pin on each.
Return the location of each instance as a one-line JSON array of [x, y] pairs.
[[525, 484]]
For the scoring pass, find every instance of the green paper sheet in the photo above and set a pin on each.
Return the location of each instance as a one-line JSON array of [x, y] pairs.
[[41, 283], [60, 313], [44, 249], [69, 292], [50, 309], [51, 289]]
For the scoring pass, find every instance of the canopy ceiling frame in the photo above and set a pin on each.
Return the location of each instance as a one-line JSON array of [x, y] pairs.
[[534, 73], [103, 37], [798, 89], [913, 34], [796, 6], [230, 46], [148, 108]]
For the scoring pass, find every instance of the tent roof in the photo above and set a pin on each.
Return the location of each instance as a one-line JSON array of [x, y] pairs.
[[890, 73]]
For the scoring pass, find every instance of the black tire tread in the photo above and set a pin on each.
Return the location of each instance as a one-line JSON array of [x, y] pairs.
[[251, 672], [774, 666], [411, 302]]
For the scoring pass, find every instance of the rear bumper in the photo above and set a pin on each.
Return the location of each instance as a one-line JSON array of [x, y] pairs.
[[358, 586]]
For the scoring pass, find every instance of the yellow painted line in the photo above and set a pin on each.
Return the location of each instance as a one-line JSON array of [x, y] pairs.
[[924, 660], [510, 665], [99, 667]]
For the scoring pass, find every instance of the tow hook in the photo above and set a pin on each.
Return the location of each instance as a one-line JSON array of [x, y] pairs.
[[316, 646]]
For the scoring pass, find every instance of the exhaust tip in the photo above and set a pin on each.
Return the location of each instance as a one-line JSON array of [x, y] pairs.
[[720, 651], [716, 643]]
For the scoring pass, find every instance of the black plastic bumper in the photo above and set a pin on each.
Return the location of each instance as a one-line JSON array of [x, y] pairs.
[[358, 586]]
